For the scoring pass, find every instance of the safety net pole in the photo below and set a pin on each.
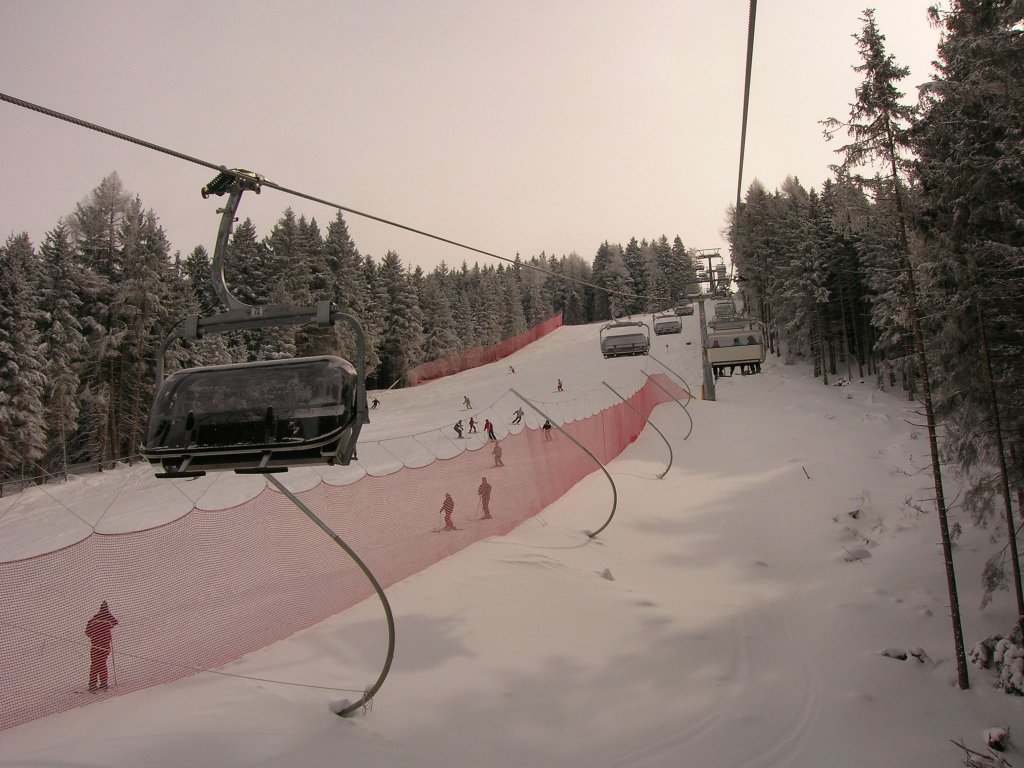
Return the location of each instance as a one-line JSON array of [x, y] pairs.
[[578, 444], [369, 692], [685, 410], [649, 423]]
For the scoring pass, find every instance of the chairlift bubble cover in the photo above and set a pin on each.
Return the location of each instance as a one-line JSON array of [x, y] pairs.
[[276, 412]]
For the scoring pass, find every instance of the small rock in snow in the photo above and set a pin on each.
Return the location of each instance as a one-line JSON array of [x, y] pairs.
[[894, 653]]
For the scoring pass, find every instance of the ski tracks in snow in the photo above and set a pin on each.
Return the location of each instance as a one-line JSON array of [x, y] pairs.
[[761, 647]]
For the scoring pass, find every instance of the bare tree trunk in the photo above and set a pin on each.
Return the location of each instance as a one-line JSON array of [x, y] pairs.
[[821, 345], [933, 443], [1004, 478]]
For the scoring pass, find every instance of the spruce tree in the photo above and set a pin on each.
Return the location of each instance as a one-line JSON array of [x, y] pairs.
[[879, 126], [971, 172], [63, 345], [348, 287], [636, 266], [22, 426], [139, 318], [440, 338], [510, 304], [402, 337]]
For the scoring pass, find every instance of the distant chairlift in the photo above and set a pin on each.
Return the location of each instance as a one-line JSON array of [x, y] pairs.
[[618, 338], [262, 416], [667, 322], [685, 307]]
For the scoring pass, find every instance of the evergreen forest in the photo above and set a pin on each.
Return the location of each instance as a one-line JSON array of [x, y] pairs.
[[85, 312]]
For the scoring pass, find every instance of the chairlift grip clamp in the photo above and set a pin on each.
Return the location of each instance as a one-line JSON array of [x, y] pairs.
[[236, 179]]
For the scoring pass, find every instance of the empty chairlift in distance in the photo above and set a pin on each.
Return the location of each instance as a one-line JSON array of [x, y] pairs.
[[625, 337], [667, 322], [685, 307]]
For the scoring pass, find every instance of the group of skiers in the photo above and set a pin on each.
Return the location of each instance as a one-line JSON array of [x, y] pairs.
[[448, 506], [459, 428]]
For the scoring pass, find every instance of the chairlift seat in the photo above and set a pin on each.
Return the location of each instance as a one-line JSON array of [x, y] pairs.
[[616, 339], [254, 417], [667, 323], [734, 347], [728, 323]]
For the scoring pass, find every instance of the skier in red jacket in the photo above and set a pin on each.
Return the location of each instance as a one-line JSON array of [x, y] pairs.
[[98, 630]]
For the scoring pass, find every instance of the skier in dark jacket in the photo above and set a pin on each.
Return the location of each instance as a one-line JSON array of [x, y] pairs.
[[98, 630], [484, 492], [458, 428], [447, 507]]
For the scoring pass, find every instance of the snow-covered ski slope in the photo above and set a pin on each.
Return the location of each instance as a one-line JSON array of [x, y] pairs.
[[732, 614]]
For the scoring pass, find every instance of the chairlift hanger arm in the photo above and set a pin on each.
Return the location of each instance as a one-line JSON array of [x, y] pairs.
[[234, 183]]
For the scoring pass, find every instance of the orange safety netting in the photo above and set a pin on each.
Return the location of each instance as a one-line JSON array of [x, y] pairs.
[[473, 358], [213, 585]]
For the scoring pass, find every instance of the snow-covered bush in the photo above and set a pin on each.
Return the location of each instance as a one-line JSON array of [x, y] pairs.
[[1009, 662], [1005, 655]]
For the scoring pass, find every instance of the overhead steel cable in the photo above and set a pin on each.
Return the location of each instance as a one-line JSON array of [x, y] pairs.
[[743, 125], [296, 193]]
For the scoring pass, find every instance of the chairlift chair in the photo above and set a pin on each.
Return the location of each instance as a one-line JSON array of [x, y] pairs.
[[254, 417], [262, 416], [617, 339]]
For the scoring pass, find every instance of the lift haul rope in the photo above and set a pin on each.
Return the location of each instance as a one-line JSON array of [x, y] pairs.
[[743, 126], [296, 193]]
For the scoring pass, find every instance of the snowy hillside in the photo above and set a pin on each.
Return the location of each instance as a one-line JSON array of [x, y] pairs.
[[734, 613]]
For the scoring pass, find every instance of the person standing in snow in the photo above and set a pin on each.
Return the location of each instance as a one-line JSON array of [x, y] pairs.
[[489, 429], [497, 455], [472, 425], [484, 492], [447, 507], [98, 630], [458, 428], [518, 413], [560, 385], [374, 404], [465, 402], [547, 429]]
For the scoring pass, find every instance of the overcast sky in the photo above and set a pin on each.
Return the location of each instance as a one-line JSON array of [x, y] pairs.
[[539, 125]]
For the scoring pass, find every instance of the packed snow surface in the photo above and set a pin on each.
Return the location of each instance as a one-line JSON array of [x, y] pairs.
[[777, 599]]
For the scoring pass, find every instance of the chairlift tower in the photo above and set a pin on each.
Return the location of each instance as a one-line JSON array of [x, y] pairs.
[[708, 254]]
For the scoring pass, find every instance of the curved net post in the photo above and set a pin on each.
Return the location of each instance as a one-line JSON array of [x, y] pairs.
[[686, 386], [685, 410], [578, 444], [651, 425], [349, 710]]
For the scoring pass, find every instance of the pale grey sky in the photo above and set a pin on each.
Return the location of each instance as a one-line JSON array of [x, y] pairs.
[[540, 125]]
